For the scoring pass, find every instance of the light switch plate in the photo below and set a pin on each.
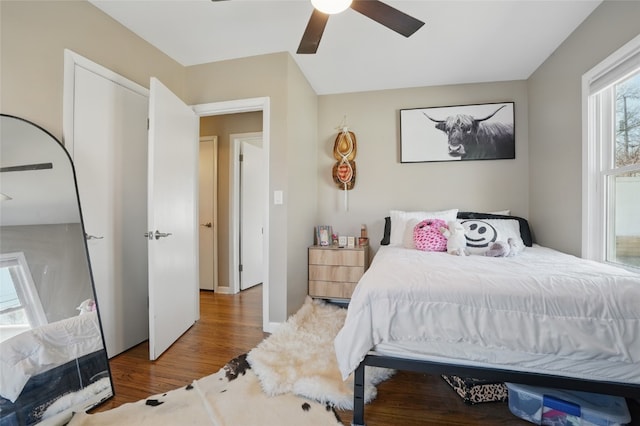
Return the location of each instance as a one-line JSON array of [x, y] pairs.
[[277, 197]]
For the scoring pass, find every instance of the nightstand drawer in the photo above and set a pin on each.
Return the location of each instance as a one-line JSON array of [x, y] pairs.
[[342, 257], [349, 274], [331, 289], [334, 272]]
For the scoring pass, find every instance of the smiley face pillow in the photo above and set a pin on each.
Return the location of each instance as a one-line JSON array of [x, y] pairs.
[[482, 233]]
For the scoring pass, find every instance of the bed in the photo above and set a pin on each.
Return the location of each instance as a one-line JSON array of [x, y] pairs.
[[540, 317], [51, 368]]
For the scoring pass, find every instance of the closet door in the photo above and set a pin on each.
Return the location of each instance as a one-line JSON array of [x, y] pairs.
[[108, 145]]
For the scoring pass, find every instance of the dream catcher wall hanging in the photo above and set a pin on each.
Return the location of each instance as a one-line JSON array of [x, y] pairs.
[[344, 170]]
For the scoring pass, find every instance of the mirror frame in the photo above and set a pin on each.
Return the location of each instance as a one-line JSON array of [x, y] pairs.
[[24, 413]]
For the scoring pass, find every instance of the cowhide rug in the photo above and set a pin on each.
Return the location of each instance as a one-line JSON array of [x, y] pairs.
[[230, 397], [299, 357]]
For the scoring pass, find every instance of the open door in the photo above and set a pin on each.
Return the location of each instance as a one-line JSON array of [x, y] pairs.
[[172, 218], [252, 222]]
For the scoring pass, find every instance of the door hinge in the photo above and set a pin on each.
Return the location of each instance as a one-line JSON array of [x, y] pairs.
[[241, 157], [240, 268], [147, 124]]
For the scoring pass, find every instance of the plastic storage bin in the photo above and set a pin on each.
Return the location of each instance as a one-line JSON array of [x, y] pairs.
[[555, 407]]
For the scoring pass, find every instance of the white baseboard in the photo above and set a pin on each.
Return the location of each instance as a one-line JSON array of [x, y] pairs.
[[271, 327]]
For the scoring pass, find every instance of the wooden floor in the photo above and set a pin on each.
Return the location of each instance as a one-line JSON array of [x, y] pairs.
[[231, 325]]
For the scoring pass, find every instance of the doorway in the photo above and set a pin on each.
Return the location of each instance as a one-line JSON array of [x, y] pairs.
[[234, 107], [238, 202]]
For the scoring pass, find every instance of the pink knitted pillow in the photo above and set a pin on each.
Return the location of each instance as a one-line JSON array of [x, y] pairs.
[[427, 235]]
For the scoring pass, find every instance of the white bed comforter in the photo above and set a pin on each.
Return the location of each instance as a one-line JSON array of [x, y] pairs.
[[541, 311], [43, 348]]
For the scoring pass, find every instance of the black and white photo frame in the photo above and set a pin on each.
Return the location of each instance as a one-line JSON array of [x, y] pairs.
[[458, 133]]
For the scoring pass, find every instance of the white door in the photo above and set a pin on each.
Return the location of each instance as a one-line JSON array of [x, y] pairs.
[[172, 218], [207, 201], [108, 143], [251, 223]]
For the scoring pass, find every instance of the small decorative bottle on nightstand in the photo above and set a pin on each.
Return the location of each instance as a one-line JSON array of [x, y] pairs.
[[334, 272]]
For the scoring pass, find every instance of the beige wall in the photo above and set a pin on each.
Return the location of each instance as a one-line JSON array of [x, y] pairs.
[[383, 183], [222, 126], [555, 122], [301, 197], [33, 36]]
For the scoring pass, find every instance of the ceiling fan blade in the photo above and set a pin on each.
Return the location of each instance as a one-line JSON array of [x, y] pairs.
[[27, 167], [313, 32], [388, 16]]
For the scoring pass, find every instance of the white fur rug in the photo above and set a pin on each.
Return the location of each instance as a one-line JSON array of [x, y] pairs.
[[230, 397], [299, 358]]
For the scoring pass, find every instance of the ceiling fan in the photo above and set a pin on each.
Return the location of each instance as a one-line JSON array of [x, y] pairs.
[[22, 168], [27, 167], [380, 12]]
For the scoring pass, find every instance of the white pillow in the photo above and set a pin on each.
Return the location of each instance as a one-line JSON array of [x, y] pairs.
[[400, 218], [407, 237], [481, 233]]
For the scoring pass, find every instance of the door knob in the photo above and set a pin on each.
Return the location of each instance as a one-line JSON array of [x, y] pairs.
[[208, 224], [92, 237], [157, 235]]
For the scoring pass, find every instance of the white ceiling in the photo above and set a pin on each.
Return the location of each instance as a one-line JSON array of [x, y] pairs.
[[466, 41]]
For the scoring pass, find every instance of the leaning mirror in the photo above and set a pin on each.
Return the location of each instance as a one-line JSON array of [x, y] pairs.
[[52, 357]]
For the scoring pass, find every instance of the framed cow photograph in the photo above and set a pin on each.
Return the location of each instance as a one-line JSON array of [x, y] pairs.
[[458, 133]]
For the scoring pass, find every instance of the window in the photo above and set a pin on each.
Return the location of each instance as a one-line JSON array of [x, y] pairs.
[[611, 188], [20, 306]]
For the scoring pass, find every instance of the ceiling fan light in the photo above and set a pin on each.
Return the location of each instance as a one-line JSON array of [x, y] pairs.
[[331, 7]]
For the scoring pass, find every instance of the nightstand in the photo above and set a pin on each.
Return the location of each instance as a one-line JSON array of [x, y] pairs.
[[334, 272]]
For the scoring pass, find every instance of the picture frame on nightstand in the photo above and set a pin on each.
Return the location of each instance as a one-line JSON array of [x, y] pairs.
[[323, 235]]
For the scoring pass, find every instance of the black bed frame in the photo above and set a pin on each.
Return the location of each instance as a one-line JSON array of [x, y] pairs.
[[534, 379]]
